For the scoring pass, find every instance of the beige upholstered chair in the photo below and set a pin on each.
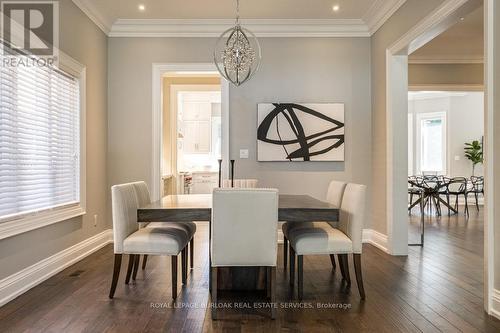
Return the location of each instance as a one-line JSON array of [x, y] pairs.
[[334, 197], [244, 233], [144, 198], [130, 240], [323, 239]]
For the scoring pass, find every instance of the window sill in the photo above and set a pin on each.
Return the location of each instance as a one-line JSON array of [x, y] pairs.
[[40, 220]]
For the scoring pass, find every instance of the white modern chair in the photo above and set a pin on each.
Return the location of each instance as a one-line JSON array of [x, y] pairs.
[[144, 198], [129, 239], [240, 183], [334, 197], [320, 239], [244, 233]]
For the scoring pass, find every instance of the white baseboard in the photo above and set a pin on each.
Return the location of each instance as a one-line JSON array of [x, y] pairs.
[[495, 304], [376, 239], [20, 282]]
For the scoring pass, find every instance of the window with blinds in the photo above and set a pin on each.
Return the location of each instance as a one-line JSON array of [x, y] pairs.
[[39, 140]]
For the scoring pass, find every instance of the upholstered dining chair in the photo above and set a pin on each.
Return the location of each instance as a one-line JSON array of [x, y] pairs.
[[244, 233], [334, 197], [322, 239], [132, 241], [189, 228]]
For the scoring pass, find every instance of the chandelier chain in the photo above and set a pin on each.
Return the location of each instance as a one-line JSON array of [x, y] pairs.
[[237, 11]]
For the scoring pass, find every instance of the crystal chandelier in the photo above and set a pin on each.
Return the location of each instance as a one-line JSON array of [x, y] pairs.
[[237, 53]]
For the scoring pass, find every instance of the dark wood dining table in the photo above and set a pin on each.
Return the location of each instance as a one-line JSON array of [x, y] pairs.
[[198, 207]]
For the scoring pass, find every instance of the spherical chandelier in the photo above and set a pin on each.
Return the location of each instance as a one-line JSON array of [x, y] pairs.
[[237, 53]]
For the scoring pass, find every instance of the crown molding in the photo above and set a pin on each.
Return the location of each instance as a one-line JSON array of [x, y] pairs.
[[374, 18], [260, 27], [380, 12], [93, 14]]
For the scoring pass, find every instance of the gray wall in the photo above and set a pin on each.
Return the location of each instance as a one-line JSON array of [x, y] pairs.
[[401, 22], [86, 43], [293, 69]]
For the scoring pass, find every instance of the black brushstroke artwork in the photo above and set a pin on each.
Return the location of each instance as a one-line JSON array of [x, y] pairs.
[[306, 142]]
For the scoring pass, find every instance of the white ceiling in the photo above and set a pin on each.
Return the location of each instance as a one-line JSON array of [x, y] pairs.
[[123, 17], [462, 43]]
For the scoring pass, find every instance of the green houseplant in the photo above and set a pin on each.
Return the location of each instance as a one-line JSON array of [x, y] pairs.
[[474, 153]]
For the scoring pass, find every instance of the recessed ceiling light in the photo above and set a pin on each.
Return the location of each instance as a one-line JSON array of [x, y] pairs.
[[141, 7], [336, 8]]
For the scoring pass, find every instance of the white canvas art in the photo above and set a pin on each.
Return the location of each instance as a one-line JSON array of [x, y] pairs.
[[300, 132]]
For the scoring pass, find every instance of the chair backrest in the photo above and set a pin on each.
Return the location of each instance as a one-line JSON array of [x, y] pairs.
[[457, 185], [334, 195], [124, 206], [477, 183], [244, 227], [143, 197], [240, 183], [352, 214]]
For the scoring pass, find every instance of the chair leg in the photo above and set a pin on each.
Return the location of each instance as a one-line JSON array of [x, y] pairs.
[[448, 202], [174, 277], [285, 252], [136, 266], [466, 205], [345, 263], [184, 265], [341, 265], [131, 261], [477, 200], [268, 282], [300, 276], [292, 266], [144, 261], [214, 293], [191, 252], [116, 274], [332, 259], [273, 292], [359, 275]]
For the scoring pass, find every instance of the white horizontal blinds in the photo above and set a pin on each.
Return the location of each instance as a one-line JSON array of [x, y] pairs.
[[39, 140]]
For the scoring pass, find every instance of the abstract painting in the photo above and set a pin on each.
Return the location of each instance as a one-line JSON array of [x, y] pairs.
[[300, 132]]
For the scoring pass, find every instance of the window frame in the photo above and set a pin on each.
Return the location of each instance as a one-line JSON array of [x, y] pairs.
[[418, 138], [31, 221]]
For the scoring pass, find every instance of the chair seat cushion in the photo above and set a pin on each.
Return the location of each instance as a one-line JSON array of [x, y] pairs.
[[320, 238], [160, 241], [188, 227], [288, 227]]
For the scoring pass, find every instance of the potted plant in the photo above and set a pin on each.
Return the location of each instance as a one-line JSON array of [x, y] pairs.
[[474, 153]]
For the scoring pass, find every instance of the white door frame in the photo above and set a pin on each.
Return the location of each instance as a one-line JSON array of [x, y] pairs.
[[397, 102], [159, 71]]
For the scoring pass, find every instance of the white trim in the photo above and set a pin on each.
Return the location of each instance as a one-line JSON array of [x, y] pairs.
[[50, 216], [445, 61], [490, 121], [376, 239], [495, 303], [93, 14], [372, 20], [39, 220], [158, 71], [260, 27], [22, 281], [380, 12]]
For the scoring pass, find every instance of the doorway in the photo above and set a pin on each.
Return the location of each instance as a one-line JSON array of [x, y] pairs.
[[397, 88], [190, 127]]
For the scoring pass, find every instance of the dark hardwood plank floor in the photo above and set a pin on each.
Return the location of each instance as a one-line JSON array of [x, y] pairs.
[[438, 288]]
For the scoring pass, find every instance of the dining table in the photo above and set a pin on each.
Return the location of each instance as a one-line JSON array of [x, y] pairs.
[[198, 208]]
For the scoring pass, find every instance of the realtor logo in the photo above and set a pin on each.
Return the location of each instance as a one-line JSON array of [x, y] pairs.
[[31, 27]]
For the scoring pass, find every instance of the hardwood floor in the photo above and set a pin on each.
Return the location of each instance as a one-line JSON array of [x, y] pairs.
[[438, 288]]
